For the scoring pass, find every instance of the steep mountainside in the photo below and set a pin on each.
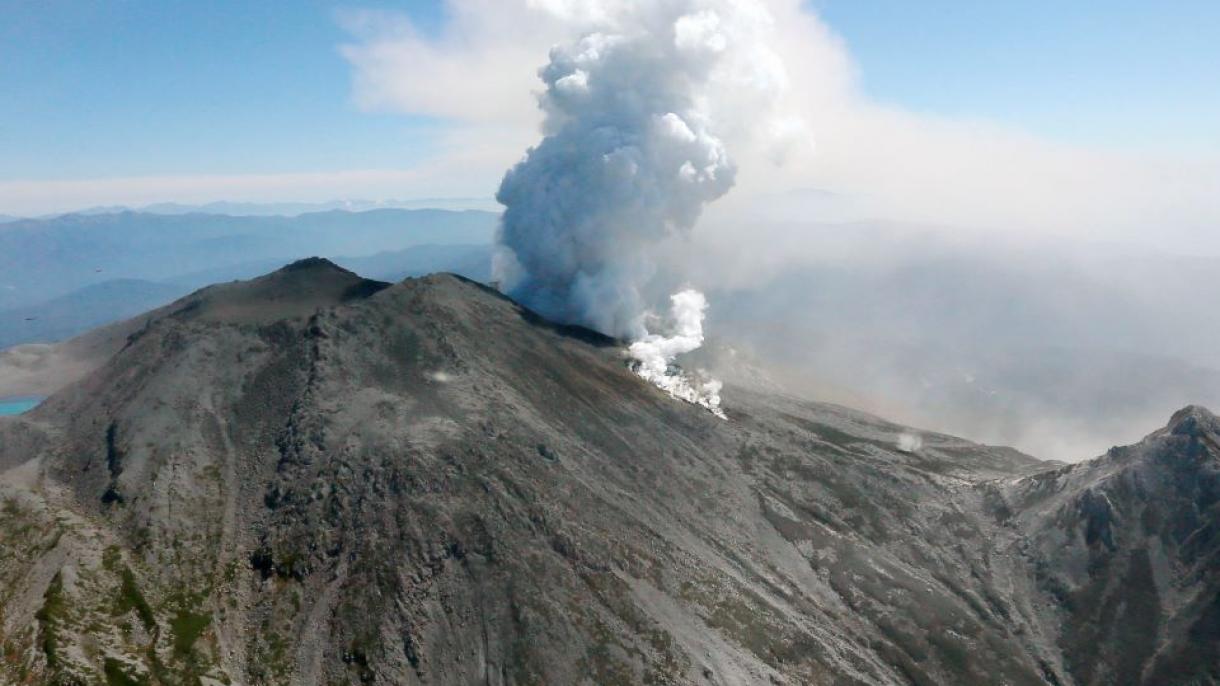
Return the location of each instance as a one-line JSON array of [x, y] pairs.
[[1127, 548], [312, 478]]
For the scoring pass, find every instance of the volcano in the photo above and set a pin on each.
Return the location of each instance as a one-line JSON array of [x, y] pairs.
[[313, 478]]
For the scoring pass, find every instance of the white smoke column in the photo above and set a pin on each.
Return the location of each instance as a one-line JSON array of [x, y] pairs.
[[654, 355], [630, 157], [910, 442]]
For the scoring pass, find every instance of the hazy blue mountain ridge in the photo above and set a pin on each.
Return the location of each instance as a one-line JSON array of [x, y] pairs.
[[41, 259]]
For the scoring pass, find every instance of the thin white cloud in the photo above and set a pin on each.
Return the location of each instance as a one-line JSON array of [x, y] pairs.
[[482, 68], [439, 178]]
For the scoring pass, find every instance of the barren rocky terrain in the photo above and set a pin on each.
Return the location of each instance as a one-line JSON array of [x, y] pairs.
[[311, 478]]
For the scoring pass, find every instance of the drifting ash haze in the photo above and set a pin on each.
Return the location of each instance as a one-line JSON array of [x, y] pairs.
[[630, 157]]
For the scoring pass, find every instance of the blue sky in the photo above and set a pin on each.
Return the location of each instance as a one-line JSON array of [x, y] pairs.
[[144, 87], [121, 88], [1096, 72]]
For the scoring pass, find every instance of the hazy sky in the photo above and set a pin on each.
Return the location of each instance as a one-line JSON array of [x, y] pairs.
[[124, 101]]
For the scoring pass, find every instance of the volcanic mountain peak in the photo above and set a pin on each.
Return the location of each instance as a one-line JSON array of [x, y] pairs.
[[1194, 421], [297, 290], [312, 265], [310, 478]]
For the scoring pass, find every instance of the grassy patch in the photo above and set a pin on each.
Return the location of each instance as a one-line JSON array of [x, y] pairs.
[[188, 627], [50, 615], [10, 507], [111, 558], [116, 674], [131, 598]]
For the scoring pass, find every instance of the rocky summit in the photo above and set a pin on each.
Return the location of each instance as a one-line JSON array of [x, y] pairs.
[[311, 478]]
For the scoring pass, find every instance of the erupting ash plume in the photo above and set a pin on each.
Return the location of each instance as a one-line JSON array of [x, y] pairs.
[[630, 156]]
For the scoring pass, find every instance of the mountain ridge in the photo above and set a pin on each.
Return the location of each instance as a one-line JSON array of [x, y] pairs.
[[426, 483]]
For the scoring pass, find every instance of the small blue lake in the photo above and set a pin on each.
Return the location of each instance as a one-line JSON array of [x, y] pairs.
[[13, 406]]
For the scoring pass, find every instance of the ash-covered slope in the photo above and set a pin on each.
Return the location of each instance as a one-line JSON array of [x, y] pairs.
[[314, 479], [1128, 548]]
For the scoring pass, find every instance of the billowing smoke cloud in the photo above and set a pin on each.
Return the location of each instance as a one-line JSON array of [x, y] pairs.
[[630, 157]]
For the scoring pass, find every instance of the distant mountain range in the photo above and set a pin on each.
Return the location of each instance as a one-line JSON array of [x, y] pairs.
[[77, 312], [285, 209], [42, 259]]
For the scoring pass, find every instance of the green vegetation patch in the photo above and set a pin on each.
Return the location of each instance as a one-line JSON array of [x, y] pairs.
[[111, 558], [188, 627], [131, 598], [117, 675], [50, 616], [10, 508]]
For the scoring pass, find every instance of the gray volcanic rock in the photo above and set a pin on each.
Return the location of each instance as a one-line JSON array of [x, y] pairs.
[[311, 478], [1127, 546]]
